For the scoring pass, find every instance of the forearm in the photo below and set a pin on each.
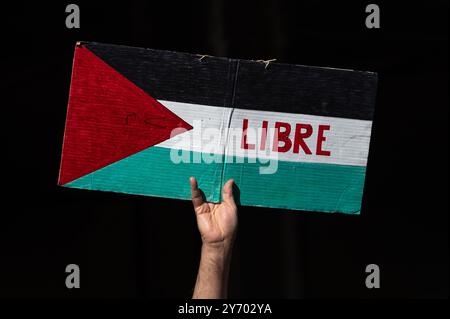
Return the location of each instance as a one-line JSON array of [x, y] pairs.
[[212, 278]]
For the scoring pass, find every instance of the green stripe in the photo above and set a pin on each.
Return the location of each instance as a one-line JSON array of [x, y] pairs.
[[152, 173], [299, 186]]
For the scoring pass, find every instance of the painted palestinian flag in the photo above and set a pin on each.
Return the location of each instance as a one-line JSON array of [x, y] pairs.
[[143, 121]]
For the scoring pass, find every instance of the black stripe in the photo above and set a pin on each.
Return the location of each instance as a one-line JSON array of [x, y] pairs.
[[278, 87], [304, 89], [172, 76]]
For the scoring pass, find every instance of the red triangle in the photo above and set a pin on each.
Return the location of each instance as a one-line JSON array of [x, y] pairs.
[[108, 118]]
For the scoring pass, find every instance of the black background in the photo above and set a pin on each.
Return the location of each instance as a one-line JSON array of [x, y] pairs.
[[128, 246]]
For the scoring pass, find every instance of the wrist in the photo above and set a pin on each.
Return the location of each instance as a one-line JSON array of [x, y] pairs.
[[219, 246], [218, 251]]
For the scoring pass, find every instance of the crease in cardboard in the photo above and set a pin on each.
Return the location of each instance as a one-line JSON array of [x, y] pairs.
[[225, 147]]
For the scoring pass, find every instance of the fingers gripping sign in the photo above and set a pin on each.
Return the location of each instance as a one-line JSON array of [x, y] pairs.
[[217, 222]]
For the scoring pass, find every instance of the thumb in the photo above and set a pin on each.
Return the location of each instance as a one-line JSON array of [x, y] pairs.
[[227, 192], [197, 198]]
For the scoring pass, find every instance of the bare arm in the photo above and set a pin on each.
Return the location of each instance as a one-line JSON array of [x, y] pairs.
[[217, 224]]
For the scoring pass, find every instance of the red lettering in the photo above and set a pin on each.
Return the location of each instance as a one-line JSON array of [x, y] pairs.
[[264, 135], [298, 143], [300, 135], [321, 139], [244, 143], [283, 136]]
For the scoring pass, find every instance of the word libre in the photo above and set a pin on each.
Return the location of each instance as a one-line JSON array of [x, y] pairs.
[[302, 133]]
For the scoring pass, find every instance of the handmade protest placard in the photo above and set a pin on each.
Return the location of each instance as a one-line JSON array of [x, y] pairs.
[[143, 121]]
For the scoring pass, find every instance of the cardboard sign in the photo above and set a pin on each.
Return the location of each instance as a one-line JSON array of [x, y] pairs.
[[143, 121]]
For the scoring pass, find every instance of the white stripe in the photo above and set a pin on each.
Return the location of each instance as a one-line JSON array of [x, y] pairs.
[[347, 140]]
